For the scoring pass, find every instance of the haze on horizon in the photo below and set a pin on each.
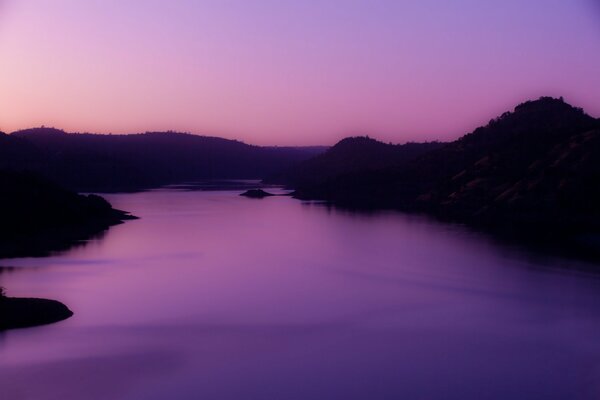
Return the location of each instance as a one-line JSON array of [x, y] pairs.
[[291, 73]]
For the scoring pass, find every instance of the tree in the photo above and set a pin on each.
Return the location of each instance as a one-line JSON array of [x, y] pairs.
[[2, 293]]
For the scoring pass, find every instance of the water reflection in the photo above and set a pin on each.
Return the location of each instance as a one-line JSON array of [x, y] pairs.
[[4, 270], [214, 296], [46, 243]]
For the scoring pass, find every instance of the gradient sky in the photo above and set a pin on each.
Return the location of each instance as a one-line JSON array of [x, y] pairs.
[[290, 71]]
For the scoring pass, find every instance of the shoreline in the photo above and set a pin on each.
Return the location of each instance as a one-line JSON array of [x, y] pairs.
[[17, 313]]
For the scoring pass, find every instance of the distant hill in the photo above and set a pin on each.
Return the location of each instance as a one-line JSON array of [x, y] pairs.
[[39, 217], [90, 162], [354, 154], [534, 167], [15, 151]]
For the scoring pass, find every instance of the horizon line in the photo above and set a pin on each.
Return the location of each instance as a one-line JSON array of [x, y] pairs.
[[342, 137]]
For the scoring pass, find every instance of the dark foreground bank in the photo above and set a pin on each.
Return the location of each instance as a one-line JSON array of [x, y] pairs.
[[24, 313], [39, 217]]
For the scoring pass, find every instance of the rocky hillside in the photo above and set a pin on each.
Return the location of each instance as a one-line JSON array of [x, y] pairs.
[[534, 167]]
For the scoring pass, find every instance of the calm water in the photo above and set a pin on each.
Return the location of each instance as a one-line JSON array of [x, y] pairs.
[[214, 296]]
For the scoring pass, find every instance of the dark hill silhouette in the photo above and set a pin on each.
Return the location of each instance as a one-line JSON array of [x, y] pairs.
[[535, 167], [90, 162], [39, 217], [351, 155], [15, 151]]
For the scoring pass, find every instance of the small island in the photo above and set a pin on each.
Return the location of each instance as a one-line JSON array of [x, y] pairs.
[[256, 194], [25, 313]]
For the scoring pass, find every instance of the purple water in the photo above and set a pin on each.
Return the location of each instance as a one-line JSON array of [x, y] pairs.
[[214, 296]]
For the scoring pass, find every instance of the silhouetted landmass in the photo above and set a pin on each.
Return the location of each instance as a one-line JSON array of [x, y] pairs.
[[217, 185], [24, 313], [106, 163], [355, 154], [256, 194], [39, 217], [535, 168]]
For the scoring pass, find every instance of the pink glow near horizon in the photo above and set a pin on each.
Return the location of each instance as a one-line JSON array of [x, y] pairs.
[[289, 72]]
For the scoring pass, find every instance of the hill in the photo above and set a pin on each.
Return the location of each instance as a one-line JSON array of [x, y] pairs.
[[104, 163], [534, 167], [354, 154]]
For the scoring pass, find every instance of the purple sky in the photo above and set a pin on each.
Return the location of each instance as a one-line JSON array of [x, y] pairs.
[[291, 72]]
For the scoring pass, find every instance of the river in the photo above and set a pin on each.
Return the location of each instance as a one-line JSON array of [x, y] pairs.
[[210, 295]]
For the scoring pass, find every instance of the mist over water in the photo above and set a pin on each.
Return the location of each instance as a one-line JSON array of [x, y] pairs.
[[214, 296]]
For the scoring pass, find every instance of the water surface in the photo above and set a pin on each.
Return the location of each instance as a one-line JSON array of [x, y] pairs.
[[214, 296]]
